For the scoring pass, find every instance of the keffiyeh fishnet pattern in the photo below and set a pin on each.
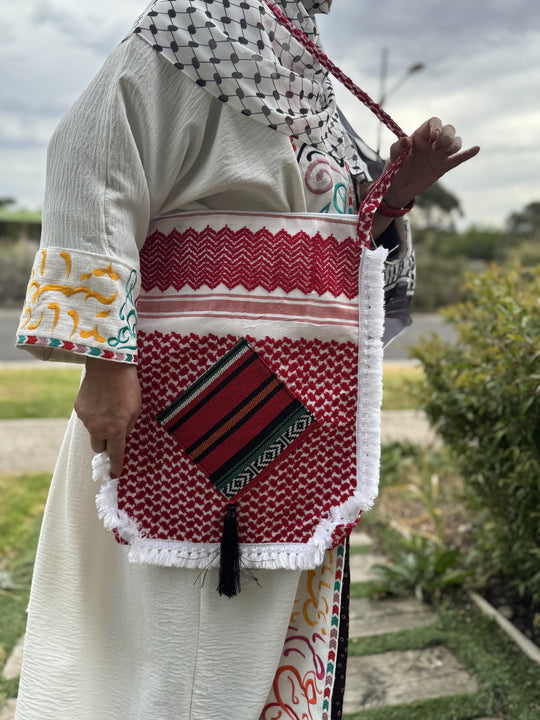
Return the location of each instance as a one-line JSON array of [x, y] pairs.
[[238, 52]]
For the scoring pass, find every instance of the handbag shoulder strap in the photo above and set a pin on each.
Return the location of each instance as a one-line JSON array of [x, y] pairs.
[[380, 187]]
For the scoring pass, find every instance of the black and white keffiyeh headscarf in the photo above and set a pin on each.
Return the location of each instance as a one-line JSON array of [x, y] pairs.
[[238, 52]]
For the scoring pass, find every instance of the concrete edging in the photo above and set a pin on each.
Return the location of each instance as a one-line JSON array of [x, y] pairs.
[[525, 645]]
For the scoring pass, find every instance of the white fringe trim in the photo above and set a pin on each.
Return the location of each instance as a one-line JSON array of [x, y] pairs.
[[289, 556], [368, 411]]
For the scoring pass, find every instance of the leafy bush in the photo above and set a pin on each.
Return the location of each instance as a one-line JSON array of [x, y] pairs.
[[476, 244], [16, 260], [423, 566], [439, 280], [483, 395], [526, 253]]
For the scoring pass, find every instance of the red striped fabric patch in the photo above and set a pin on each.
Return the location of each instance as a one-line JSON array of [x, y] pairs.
[[236, 419]]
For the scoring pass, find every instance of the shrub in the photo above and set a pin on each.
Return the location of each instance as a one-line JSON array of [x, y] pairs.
[[16, 260], [483, 395], [420, 565], [476, 244], [439, 280]]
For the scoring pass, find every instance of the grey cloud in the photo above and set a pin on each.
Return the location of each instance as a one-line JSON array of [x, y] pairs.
[[84, 29]]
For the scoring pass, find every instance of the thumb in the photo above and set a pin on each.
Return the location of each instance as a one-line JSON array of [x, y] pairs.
[[402, 145]]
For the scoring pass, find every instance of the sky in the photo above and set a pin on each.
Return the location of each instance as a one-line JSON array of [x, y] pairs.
[[481, 73]]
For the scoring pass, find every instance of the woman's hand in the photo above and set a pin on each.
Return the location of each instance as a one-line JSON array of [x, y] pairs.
[[434, 149], [108, 404]]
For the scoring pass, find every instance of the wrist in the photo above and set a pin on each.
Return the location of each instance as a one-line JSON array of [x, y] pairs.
[[392, 209], [100, 366]]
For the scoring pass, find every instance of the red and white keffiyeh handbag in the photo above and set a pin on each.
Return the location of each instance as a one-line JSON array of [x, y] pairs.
[[260, 362]]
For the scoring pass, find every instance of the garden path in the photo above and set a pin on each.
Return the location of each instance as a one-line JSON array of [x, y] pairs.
[[380, 680]]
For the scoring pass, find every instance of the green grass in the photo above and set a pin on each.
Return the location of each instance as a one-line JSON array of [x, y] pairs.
[[13, 603], [40, 393], [455, 707], [50, 392], [399, 383], [366, 589], [8, 215], [508, 680], [416, 639], [22, 498]]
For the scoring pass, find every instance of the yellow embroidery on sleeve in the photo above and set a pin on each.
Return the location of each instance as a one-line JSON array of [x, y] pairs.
[[43, 261], [68, 291], [74, 315], [92, 333], [93, 297], [100, 272], [27, 311], [36, 325], [67, 259], [56, 308], [33, 285]]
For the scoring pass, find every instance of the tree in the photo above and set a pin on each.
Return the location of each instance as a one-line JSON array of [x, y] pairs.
[[437, 208], [525, 223]]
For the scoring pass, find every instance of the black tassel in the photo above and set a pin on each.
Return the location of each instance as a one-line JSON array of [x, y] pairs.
[[229, 565]]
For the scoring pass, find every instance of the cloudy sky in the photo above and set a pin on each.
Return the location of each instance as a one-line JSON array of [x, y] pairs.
[[481, 73]]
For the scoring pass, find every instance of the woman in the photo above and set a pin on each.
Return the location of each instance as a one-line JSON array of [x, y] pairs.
[[189, 113]]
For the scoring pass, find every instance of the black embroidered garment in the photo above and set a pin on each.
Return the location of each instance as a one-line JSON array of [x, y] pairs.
[[238, 52]]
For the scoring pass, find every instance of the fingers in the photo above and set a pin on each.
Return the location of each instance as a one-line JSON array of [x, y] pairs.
[[462, 157], [98, 444], [108, 404], [115, 447], [434, 128], [115, 450], [400, 146], [445, 140]]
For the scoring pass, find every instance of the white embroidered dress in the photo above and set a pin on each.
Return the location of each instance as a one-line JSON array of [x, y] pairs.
[[107, 638]]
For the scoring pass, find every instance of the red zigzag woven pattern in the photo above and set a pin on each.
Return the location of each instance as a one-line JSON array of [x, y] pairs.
[[263, 259]]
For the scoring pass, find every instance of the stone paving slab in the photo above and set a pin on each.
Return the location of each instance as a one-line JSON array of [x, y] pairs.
[[359, 538], [378, 617], [12, 668], [362, 564], [8, 711], [392, 678], [407, 426], [30, 445]]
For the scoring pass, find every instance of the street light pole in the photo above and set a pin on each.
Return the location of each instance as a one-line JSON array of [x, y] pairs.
[[384, 94]]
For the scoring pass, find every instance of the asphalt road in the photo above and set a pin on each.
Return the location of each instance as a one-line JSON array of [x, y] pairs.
[[422, 325]]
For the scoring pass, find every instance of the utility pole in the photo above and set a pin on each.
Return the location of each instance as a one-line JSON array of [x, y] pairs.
[[384, 94]]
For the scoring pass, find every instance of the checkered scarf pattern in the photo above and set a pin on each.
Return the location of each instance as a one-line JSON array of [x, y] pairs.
[[238, 52]]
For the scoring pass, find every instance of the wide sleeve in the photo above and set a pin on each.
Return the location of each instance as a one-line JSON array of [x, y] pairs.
[[110, 166]]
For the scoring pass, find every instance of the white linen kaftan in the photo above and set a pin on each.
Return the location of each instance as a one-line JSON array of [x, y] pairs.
[[109, 639]]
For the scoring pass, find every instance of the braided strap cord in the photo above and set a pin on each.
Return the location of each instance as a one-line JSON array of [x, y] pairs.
[[381, 186], [336, 71]]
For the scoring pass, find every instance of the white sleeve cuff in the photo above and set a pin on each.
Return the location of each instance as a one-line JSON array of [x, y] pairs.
[[79, 303]]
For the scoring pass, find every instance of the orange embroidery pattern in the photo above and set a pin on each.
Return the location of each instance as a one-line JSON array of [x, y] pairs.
[[42, 289]]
